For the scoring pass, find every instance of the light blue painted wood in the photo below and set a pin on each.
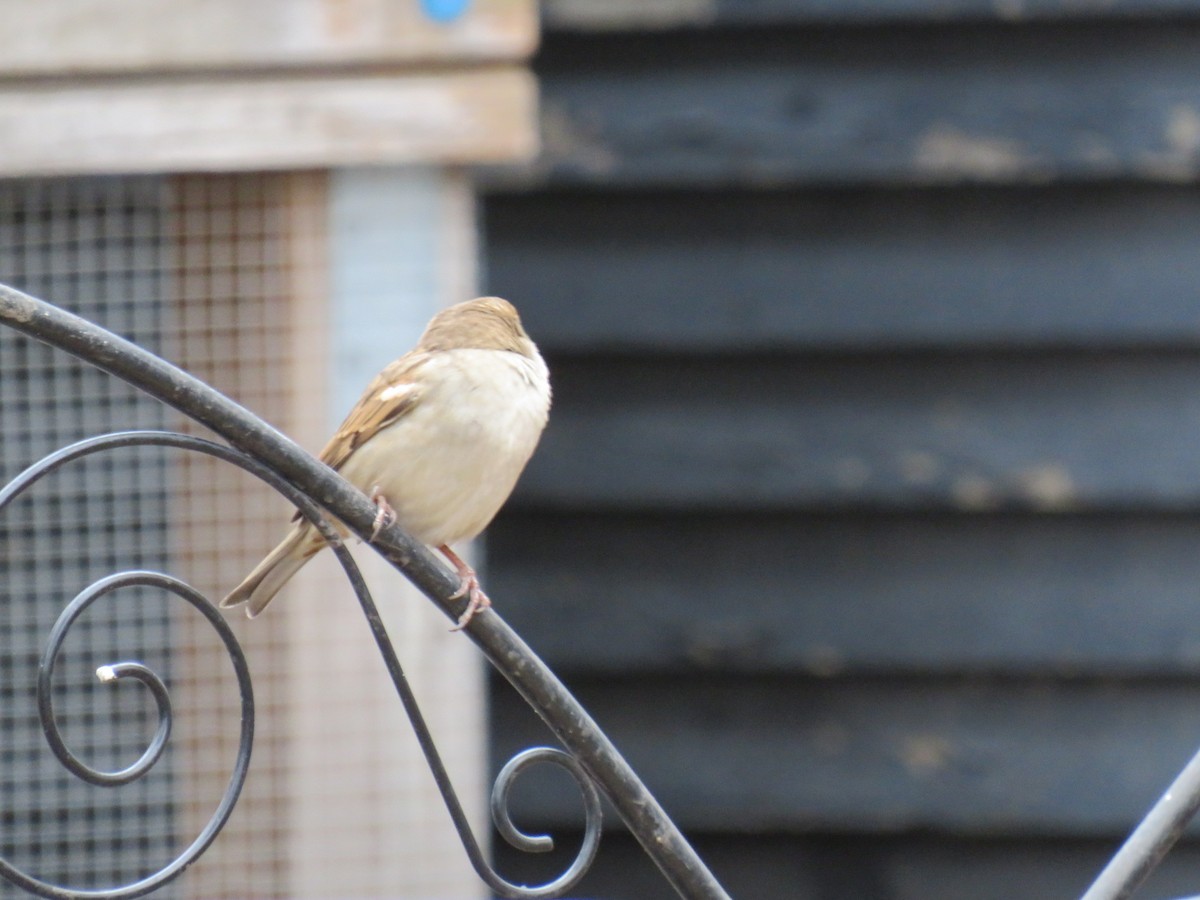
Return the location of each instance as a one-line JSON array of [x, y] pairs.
[[444, 10], [385, 270]]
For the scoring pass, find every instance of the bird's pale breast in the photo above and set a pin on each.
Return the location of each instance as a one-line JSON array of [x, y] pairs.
[[448, 465]]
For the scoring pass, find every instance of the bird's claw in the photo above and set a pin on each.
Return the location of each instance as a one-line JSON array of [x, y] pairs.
[[468, 586], [477, 600], [384, 514]]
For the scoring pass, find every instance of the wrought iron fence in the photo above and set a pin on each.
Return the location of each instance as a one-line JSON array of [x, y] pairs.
[[590, 757]]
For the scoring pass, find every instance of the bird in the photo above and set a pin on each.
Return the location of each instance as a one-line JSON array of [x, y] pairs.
[[437, 440]]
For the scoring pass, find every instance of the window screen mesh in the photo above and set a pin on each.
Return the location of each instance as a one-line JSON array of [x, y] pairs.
[[230, 277], [194, 268], [96, 246], [238, 252]]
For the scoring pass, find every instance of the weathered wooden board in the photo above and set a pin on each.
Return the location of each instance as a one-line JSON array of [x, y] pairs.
[[868, 507], [649, 15], [1020, 595], [975, 432], [69, 37], [745, 271], [803, 867], [890, 755], [297, 121], [928, 105]]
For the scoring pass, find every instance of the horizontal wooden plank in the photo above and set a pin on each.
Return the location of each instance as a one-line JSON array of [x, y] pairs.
[[1111, 596], [929, 105], [804, 867], [269, 122], [611, 15], [974, 432], [739, 271], [967, 757], [72, 37]]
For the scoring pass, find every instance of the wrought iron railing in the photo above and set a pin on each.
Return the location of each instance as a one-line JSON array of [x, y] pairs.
[[589, 756]]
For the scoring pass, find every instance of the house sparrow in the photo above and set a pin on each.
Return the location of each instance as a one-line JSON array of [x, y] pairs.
[[438, 440]]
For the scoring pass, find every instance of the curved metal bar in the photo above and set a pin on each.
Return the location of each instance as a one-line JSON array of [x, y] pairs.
[[140, 673], [493, 879], [108, 673], [574, 728], [543, 843], [55, 461], [1158, 831]]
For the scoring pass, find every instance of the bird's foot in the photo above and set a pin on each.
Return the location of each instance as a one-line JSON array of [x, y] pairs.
[[478, 601], [384, 514], [468, 586]]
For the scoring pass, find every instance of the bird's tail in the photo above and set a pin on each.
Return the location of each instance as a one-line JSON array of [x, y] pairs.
[[270, 575]]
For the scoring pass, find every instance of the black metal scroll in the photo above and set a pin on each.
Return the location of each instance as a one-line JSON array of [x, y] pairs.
[[590, 757]]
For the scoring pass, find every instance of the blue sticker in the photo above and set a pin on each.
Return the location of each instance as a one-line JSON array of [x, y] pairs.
[[444, 10]]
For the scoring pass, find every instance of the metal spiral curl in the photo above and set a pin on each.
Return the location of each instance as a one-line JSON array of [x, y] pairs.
[[108, 673], [136, 671], [542, 843]]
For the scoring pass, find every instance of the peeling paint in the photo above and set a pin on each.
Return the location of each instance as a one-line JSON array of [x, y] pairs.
[[944, 149], [1049, 487], [974, 493], [924, 754], [1164, 167], [1179, 158], [15, 308], [627, 13], [1183, 130]]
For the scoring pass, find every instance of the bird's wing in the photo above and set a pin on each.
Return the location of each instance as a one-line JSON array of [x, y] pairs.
[[392, 394]]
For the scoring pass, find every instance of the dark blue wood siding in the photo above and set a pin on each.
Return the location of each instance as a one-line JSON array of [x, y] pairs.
[[867, 518]]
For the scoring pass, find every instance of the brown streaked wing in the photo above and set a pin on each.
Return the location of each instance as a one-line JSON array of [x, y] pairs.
[[389, 396]]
